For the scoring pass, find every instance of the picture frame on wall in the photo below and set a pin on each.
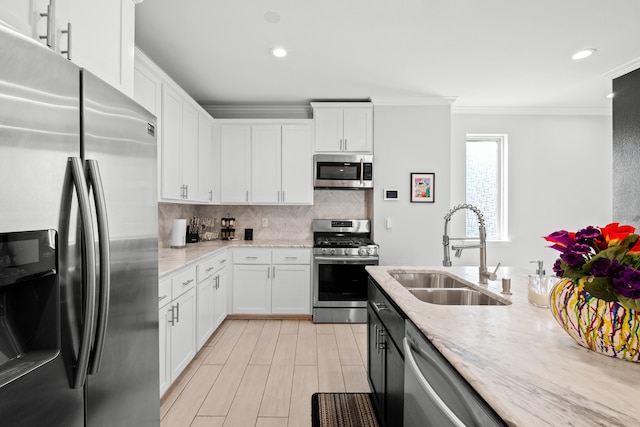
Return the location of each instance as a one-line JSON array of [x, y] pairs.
[[422, 187]]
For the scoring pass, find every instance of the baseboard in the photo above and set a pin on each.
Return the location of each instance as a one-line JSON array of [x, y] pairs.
[[269, 317]]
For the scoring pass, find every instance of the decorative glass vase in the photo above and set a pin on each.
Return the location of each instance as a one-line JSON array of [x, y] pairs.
[[605, 327]]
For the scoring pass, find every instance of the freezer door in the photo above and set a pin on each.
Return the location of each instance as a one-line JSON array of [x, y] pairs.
[[119, 139], [39, 131]]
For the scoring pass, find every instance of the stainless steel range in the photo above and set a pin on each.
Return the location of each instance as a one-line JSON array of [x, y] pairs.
[[342, 249]]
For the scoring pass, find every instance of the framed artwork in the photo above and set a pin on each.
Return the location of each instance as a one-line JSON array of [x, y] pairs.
[[422, 187]]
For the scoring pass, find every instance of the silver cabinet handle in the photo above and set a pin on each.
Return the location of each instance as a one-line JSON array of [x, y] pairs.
[[187, 282], [282, 196], [178, 312], [186, 191], [172, 320], [247, 195], [209, 269], [345, 144], [377, 339], [381, 342], [68, 33], [425, 386], [89, 270], [211, 195], [379, 306], [274, 271], [162, 297], [50, 27], [95, 182]]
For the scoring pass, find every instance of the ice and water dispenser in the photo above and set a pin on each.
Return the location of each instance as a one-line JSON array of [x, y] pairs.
[[29, 302]]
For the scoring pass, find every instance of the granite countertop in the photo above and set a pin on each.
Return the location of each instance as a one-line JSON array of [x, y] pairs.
[[519, 359], [170, 259]]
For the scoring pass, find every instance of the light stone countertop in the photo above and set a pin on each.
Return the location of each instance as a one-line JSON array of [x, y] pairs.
[[170, 259], [519, 359]]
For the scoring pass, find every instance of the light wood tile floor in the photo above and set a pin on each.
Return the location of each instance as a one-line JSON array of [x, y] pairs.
[[263, 372]]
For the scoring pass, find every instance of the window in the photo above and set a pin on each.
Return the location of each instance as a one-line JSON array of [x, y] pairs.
[[486, 184]]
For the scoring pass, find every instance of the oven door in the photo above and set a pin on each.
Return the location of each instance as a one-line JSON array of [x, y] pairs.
[[340, 281]]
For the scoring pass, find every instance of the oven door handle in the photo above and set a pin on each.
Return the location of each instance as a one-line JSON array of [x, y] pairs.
[[351, 260]]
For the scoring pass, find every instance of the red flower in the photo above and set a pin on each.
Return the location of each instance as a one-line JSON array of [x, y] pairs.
[[615, 233]]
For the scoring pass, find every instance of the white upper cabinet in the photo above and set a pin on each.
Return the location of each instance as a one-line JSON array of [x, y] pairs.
[[343, 127], [297, 165], [268, 163], [235, 163], [96, 35], [207, 189]]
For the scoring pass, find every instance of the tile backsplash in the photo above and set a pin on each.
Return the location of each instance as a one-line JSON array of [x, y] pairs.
[[284, 222]]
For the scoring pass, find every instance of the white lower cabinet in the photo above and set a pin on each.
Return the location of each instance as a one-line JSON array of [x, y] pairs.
[[272, 281], [177, 327], [212, 296]]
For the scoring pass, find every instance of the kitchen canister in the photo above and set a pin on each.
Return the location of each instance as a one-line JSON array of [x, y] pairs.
[[178, 233]]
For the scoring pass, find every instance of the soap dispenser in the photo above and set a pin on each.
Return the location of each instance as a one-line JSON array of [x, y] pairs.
[[540, 286]]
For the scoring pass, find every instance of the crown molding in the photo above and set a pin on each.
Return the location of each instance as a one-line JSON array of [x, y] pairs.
[[538, 111], [623, 69], [412, 101]]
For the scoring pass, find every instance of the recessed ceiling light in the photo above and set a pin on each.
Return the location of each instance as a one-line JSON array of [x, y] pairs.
[[583, 54], [279, 52]]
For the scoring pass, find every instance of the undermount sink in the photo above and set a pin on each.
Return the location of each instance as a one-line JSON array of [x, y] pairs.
[[442, 288], [454, 296], [427, 280]]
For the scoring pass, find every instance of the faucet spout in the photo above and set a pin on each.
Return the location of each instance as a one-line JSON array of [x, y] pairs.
[[483, 273]]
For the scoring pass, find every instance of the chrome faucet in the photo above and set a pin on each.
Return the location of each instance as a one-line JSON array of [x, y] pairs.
[[484, 273]]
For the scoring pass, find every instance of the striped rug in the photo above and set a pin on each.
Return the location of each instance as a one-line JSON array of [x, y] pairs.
[[343, 410]]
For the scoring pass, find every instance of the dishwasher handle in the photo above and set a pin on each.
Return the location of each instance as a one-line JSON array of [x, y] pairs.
[[424, 384]]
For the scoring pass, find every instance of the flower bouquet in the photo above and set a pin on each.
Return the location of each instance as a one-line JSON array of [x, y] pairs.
[[598, 300]]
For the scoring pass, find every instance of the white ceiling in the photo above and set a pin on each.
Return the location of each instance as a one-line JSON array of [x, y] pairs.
[[484, 53]]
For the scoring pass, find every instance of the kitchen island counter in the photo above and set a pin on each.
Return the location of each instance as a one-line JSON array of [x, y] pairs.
[[170, 259], [519, 359]]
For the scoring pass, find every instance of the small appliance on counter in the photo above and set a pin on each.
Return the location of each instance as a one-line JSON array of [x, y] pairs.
[[227, 230]]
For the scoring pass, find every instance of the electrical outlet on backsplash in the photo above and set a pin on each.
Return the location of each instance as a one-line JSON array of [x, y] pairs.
[[284, 222]]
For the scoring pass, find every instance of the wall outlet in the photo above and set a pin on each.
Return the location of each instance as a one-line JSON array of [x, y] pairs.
[[265, 222]]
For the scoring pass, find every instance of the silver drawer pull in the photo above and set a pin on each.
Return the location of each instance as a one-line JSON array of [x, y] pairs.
[[251, 257], [209, 269], [187, 282], [162, 297], [379, 306], [291, 257]]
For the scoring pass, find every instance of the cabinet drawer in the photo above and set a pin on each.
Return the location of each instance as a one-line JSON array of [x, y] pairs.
[[182, 282], [291, 256], [209, 266], [164, 292], [251, 256]]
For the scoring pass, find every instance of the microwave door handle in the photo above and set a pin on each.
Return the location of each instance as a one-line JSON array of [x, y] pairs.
[[95, 182], [361, 172], [89, 271], [425, 386]]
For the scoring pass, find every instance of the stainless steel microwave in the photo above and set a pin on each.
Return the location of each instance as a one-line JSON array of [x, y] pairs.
[[343, 171]]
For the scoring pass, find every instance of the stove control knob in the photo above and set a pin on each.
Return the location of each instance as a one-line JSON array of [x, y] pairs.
[[370, 251], [324, 251], [332, 251], [362, 251]]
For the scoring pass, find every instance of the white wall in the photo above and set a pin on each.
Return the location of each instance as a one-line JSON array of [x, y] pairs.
[[410, 139], [560, 177]]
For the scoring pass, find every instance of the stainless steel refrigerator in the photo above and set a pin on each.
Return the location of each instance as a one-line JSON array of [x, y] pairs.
[[78, 246]]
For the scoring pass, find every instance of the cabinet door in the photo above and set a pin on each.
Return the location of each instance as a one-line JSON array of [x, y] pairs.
[[394, 384], [102, 38], [164, 350], [252, 289], [206, 304], [234, 163], [291, 289], [171, 134], [265, 164], [147, 88], [328, 125], [220, 299], [358, 129], [208, 163], [183, 333], [297, 165], [189, 151], [375, 359]]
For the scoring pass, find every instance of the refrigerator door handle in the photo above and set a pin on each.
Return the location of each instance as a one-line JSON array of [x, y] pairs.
[[89, 270], [95, 182]]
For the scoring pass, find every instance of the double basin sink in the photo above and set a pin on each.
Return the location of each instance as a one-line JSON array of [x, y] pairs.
[[443, 289]]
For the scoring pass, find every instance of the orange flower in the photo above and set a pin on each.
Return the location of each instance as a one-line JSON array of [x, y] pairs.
[[615, 233]]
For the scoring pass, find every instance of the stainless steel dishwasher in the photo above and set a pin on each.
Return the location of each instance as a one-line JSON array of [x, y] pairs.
[[435, 395]]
